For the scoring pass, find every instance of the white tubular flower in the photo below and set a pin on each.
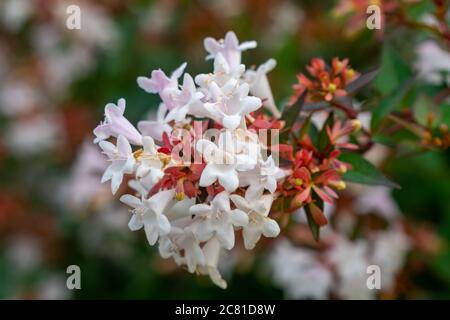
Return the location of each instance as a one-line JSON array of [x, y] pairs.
[[259, 222], [166, 87], [223, 162], [211, 251], [149, 213], [229, 48], [260, 87], [183, 240], [138, 187], [231, 103], [217, 219], [122, 161], [221, 75], [188, 100], [150, 163], [116, 124], [264, 176], [156, 128], [168, 249], [246, 148]]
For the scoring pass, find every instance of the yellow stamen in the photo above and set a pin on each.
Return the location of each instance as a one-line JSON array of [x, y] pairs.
[[332, 87], [137, 154], [179, 196], [356, 124], [350, 73], [338, 185], [342, 169], [164, 158]]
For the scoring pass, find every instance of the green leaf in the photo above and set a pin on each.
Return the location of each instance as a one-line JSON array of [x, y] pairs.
[[290, 116], [388, 104], [323, 136], [394, 71], [305, 127], [445, 113], [422, 107], [314, 106], [361, 82], [313, 133], [313, 226], [364, 172]]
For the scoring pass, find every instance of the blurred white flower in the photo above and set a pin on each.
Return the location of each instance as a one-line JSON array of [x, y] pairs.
[[34, 135], [378, 200], [82, 186], [351, 261], [433, 63], [299, 272], [24, 252], [286, 19], [14, 13], [53, 287], [389, 253], [18, 96], [97, 28]]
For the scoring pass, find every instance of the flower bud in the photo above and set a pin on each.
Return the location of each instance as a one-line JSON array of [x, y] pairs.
[[342, 168], [356, 124], [350, 73], [338, 185], [332, 87]]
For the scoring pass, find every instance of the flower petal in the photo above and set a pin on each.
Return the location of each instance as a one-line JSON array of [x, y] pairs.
[[225, 236], [209, 176], [131, 201], [270, 228], [251, 235], [135, 223], [239, 218]]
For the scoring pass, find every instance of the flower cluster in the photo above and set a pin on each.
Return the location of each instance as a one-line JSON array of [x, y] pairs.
[[328, 82], [315, 171], [199, 172]]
